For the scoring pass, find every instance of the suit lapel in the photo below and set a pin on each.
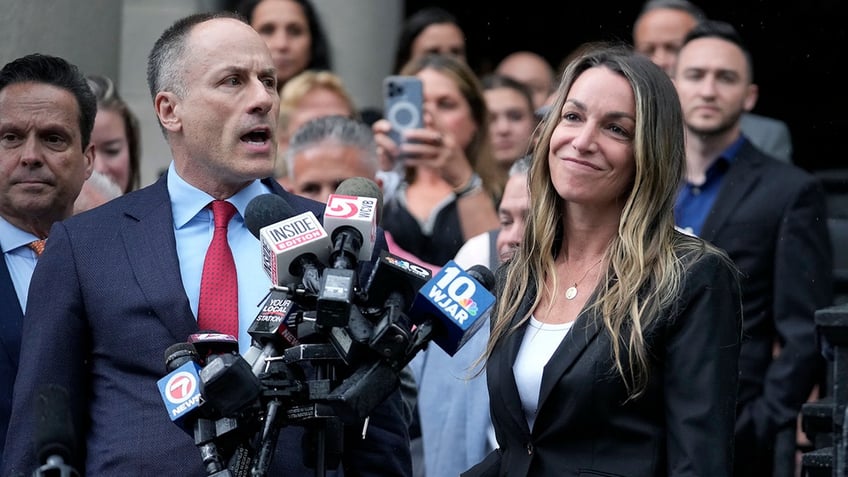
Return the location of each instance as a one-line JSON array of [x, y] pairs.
[[582, 333], [151, 248], [741, 178], [502, 362]]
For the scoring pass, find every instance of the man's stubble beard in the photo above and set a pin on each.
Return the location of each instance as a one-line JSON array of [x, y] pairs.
[[719, 130]]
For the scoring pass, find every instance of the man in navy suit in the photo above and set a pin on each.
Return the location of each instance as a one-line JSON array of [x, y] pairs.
[[118, 285], [770, 217], [46, 115]]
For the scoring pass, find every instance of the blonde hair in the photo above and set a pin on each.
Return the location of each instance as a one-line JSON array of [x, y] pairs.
[[293, 93], [646, 257]]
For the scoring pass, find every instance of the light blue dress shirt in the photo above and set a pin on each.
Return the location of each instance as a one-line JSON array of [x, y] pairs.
[[193, 228], [20, 259]]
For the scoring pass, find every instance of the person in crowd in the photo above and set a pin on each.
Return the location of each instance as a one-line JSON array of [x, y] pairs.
[[431, 30], [453, 402], [325, 151], [116, 136], [658, 33], [126, 280], [498, 245], [533, 70], [96, 191], [770, 217], [309, 95], [660, 27], [512, 214], [512, 120], [615, 341], [46, 116], [447, 195], [293, 32]]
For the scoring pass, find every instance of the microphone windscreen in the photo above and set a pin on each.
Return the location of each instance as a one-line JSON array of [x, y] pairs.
[[362, 187], [54, 430], [482, 274], [264, 210], [179, 354]]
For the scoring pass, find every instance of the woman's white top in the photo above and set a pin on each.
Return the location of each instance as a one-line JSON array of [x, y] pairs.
[[539, 343]]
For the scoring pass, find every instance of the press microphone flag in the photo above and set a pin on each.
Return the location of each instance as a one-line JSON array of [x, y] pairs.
[[285, 244], [180, 391], [458, 303], [350, 209]]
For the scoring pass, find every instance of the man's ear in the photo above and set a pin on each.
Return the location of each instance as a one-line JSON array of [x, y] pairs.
[[167, 104], [88, 154], [751, 97]]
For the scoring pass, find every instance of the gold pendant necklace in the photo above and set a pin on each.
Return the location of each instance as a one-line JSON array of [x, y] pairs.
[[571, 292]]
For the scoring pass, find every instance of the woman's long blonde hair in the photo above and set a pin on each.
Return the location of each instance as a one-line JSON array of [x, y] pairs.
[[645, 257]]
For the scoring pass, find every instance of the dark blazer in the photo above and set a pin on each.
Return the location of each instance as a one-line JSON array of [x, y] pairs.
[[107, 300], [770, 218], [681, 425], [11, 320]]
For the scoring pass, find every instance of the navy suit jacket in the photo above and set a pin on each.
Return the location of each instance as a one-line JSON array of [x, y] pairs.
[[682, 425], [771, 219], [11, 320], [107, 300]]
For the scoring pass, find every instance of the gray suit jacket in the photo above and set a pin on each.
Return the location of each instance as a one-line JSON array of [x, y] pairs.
[[769, 135]]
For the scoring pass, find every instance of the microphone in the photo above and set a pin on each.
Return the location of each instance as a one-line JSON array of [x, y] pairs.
[[393, 286], [211, 343], [180, 391], [292, 248], [180, 388], [264, 210], [360, 393], [273, 330], [179, 354], [227, 383], [362, 187], [350, 219], [456, 302], [54, 433], [295, 249], [395, 275]]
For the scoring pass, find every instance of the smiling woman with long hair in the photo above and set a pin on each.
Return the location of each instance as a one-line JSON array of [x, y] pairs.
[[615, 342]]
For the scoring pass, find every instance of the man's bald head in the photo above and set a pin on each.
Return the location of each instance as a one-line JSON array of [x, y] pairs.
[[532, 70]]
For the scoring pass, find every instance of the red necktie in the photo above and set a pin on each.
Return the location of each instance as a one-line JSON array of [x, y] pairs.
[[218, 306], [37, 246]]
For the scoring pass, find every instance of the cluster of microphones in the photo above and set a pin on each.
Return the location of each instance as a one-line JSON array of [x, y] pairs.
[[325, 351]]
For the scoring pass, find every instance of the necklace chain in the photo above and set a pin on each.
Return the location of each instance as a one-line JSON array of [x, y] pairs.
[[571, 292]]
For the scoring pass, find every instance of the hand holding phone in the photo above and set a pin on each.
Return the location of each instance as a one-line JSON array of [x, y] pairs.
[[403, 100]]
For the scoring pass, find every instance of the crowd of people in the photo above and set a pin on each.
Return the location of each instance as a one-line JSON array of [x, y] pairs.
[[658, 258]]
